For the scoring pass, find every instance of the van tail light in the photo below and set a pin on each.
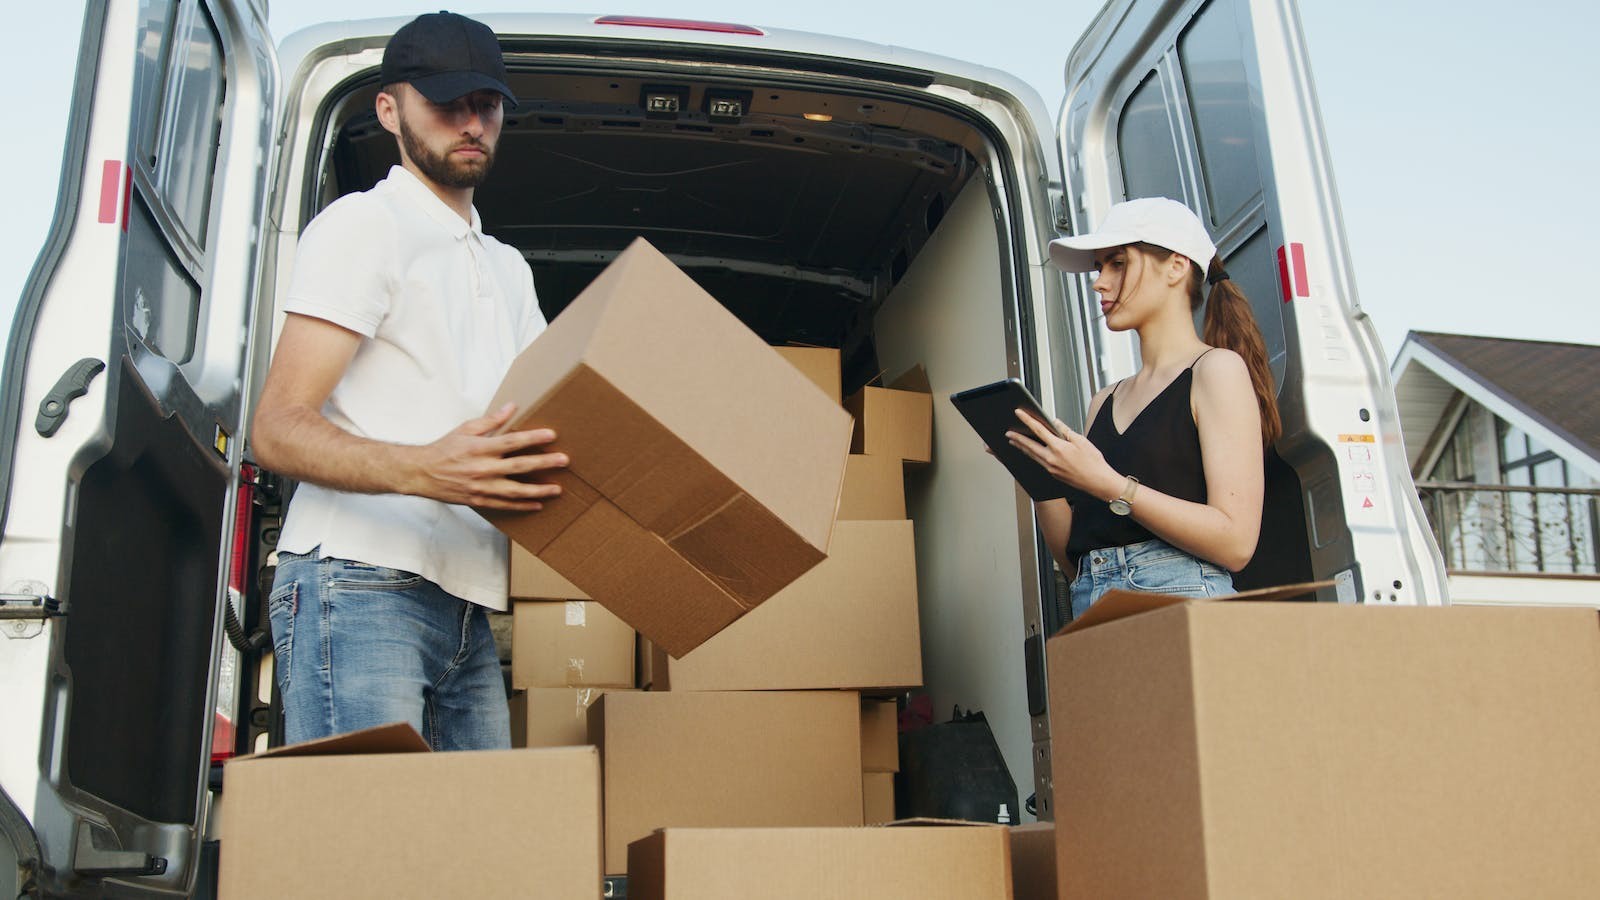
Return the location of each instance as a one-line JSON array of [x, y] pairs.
[[680, 24], [224, 734]]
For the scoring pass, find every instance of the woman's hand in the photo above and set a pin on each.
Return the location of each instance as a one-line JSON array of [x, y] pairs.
[[1067, 456]]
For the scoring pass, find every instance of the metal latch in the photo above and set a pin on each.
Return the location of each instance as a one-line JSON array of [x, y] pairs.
[[23, 615]]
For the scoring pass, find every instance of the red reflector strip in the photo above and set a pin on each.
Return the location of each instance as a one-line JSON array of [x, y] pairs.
[[1293, 279], [110, 190], [241, 529], [679, 24]]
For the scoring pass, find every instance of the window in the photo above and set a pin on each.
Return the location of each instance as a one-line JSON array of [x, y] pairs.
[[179, 92], [161, 300], [1212, 60], [1550, 531], [191, 129], [1146, 144]]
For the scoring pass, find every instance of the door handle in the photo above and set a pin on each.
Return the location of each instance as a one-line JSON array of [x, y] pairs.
[[72, 384]]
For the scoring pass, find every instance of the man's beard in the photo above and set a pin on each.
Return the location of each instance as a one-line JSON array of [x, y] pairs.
[[443, 168]]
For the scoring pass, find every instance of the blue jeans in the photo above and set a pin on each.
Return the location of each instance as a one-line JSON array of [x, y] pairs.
[[359, 645], [1153, 566]]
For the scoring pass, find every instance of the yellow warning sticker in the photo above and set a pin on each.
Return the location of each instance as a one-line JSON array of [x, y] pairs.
[[1358, 439], [221, 442]]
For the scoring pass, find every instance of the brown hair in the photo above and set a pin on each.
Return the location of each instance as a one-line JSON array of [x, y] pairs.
[[1230, 323]]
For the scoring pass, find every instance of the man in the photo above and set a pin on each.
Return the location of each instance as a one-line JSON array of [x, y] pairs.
[[402, 319]]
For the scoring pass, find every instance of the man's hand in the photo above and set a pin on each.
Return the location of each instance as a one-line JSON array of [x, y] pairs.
[[475, 467], [1068, 456]]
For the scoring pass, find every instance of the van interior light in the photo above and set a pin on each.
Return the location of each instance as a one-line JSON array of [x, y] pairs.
[[819, 117], [664, 101], [679, 24]]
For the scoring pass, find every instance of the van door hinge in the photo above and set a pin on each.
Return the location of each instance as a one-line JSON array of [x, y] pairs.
[[72, 384], [22, 615]]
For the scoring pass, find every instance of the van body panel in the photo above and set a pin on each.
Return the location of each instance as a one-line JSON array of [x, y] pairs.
[[122, 516]]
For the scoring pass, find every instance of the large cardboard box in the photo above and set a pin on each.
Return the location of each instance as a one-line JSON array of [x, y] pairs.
[[903, 862], [874, 488], [552, 717], [1033, 861], [821, 365], [896, 420], [533, 579], [850, 623], [569, 643], [705, 470], [725, 759], [373, 814], [1255, 749]]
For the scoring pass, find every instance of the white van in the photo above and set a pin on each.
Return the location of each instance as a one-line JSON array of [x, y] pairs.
[[828, 191]]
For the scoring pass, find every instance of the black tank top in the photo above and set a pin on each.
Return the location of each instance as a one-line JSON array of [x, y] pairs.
[[1161, 448]]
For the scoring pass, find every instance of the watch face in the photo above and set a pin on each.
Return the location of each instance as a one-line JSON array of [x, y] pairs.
[[1120, 507]]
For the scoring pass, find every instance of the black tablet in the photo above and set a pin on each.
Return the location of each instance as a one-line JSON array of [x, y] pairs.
[[991, 411]]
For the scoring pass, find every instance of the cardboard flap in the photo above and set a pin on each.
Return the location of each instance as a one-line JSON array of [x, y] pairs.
[[913, 379], [931, 821], [1120, 604], [395, 737]]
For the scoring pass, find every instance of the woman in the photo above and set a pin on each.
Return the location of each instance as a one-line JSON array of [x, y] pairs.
[[1166, 486]]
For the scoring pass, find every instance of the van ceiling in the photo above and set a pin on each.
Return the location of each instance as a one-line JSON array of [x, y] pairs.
[[800, 227]]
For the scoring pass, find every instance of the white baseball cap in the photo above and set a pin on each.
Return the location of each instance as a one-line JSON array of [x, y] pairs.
[[1151, 220]]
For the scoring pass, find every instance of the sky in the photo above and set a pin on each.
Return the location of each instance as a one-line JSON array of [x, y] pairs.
[[1462, 135]]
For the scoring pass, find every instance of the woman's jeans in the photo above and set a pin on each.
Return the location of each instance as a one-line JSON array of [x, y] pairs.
[[359, 645], [1153, 566]]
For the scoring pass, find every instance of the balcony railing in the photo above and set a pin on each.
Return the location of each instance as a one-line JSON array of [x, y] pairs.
[[1489, 528]]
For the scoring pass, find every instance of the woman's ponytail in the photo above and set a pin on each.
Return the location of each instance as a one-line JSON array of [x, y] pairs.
[[1230, 323]]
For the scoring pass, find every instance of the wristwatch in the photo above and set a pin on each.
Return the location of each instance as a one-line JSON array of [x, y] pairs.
[[1123, 505]]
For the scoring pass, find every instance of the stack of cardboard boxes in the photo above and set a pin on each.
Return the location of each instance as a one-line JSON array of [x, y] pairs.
[[762, 724], [567, 650], [1204, 749]]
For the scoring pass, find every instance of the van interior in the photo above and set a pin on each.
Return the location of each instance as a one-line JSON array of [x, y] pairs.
[[859, 222]]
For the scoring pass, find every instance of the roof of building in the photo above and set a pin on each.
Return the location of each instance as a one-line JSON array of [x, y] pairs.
[[1553, 384]]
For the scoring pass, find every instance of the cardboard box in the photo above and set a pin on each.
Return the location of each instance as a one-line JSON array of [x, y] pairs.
[[877, 797], [532, 579], [705, 470], [725, 759], [553, 717], [903, 862], [880, 736], [1257, 749], [850, 623], [874, 488], [821, 365], [1033, 861], [569, 643], [894, 421], [373, 814]]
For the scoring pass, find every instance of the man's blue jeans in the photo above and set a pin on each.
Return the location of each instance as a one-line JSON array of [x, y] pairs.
[[359, 645]]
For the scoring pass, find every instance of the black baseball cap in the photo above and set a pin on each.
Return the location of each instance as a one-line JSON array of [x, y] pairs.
[[446, 56]]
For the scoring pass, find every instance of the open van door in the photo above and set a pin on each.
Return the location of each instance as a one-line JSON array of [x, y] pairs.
[[1210, 102], [119, 461]]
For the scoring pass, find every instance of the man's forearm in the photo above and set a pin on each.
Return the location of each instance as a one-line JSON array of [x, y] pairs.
[[302, 444]]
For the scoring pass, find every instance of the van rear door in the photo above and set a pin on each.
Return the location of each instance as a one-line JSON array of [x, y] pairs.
[[122, 399], [1211, 102]]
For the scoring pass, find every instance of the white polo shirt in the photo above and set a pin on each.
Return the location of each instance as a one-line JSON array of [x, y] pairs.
[[444, 309]]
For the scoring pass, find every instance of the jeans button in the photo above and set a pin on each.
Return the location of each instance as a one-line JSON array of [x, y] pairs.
[[1099, 560]]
